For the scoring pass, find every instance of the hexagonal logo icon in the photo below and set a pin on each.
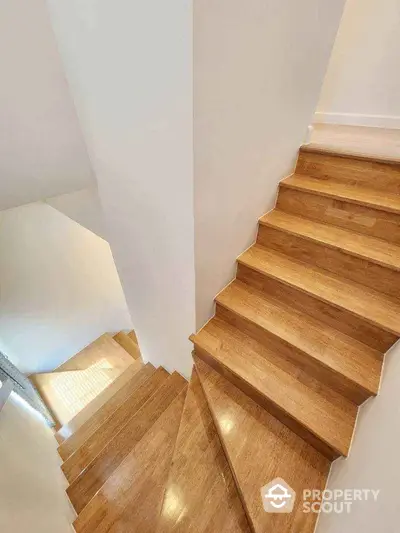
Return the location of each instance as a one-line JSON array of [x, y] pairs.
[[278, 497]]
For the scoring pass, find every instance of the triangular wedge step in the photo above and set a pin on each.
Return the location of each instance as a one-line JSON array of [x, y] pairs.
[[260, 449], [67, 392], [380, 200], [82, 490], [104, 352], [94, 444], [318, 414], [110, 395], [131, 498], [345, 364], [128, 344], [200, 494], [367, 304], [132, 335]]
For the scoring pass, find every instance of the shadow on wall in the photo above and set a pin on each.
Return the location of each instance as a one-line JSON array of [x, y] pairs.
[[60, 289]]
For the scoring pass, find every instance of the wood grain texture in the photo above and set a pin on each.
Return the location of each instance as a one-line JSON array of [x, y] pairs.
[[340, 212], [82, 490], [367, 304], [338, 319], [360, 172], [317, 413], [332, 258], [200, 494], [108, 395], [127, 344], [94, 444], [131, 499], [104, 352], [251, 436], [373, 198], [370, 249], [346, 364]]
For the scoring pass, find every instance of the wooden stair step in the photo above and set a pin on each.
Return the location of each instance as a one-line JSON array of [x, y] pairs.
[[363, 302], [132, 335], [200, 494], [260, 449], [347, 365], [93, 445], [131, 499], [84, 416], [82, 490], [104, 352], [98, 418], [381, 200], [353, 168], [67, 392], [128, 344], [369, 248], [318, 414]]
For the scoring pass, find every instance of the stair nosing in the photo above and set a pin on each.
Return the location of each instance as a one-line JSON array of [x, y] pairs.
[[314, 294], [330, 194], [368, 389], [313, 148], [335, 448], [263, 221]]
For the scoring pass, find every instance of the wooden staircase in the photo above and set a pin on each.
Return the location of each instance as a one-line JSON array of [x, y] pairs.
[[296, 346]]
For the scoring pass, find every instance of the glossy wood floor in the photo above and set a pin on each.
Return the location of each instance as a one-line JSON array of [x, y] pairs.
[[296, 346]]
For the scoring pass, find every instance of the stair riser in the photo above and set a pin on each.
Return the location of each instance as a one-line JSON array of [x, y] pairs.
[[340, 213], [267, 404], [337, 318], [82, 490], [104, 434], [336, 381], [84, 432], [346, 265], [362, 172]]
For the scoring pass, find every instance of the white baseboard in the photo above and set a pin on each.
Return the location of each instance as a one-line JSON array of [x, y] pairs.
[[349, 119]]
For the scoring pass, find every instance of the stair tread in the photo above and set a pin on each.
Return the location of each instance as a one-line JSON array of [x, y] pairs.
[[67, 392], [91, 425], [372, 249], [259, 449], [94, 444], [104, 352], [131, 498], [347, 356], [127, 344], [109, 395], [361, 195], [319, 409], [366, 303], [200, 493], [85, 486]]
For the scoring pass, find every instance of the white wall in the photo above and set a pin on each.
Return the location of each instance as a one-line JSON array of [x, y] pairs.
[[84, 207], [259, 68], [129, 65], [32, 488], [59, 288], [362, 85], [42, 152], [373, 462]]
